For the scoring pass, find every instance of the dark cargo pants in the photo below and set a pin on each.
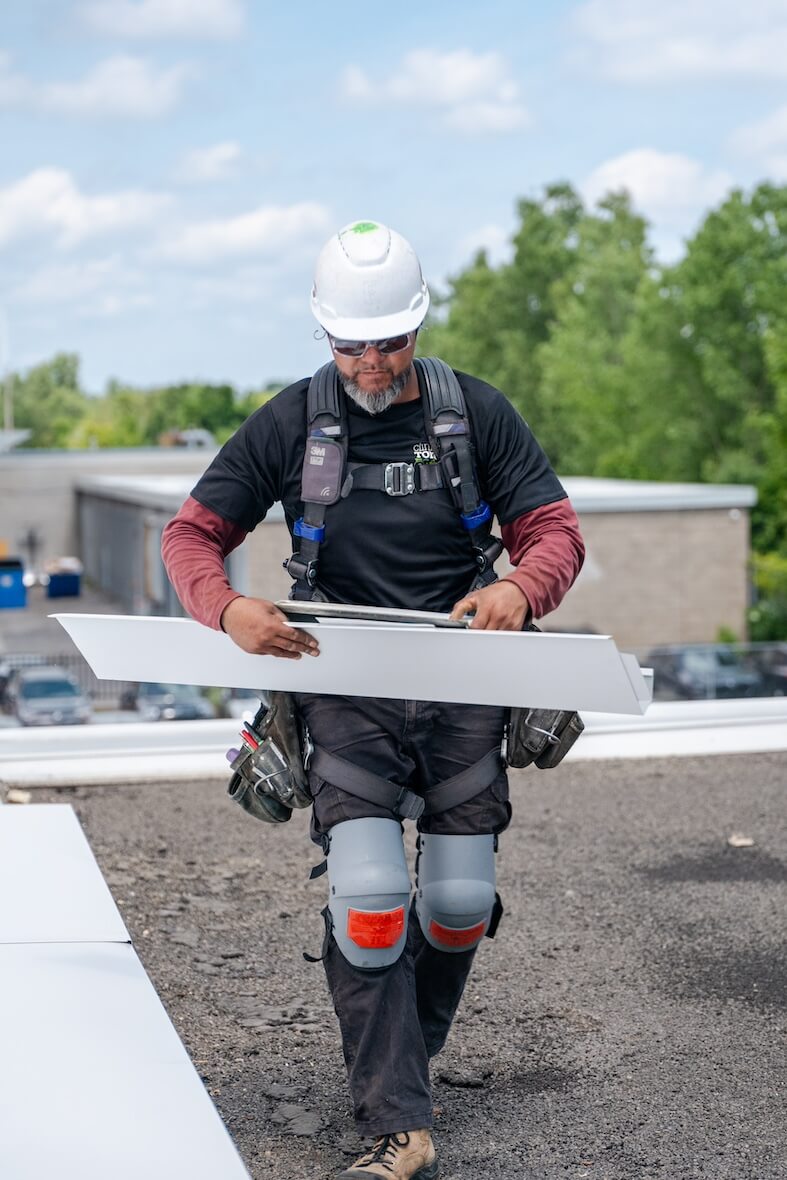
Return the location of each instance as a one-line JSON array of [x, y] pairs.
[[394, 1019]]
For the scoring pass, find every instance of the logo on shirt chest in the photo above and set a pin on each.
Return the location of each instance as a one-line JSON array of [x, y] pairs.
[[423, 453]]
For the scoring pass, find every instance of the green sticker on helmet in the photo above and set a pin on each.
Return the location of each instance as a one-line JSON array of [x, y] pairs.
[[363, 227]]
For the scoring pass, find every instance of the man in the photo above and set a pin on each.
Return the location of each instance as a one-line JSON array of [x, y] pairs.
[[393, 536]]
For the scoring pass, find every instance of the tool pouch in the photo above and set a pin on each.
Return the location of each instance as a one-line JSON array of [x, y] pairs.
[[257, 802], [543, 736], [288, 732], [269, 777]]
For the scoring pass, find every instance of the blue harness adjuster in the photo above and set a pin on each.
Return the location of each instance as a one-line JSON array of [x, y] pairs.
[[480, 515], [310, 531]]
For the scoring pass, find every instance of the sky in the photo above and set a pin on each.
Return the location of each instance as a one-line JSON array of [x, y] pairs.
[[169, 169]]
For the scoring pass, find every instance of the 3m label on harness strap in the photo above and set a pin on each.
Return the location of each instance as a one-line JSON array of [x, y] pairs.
[[323, 465], [450, 937], [374, 929]]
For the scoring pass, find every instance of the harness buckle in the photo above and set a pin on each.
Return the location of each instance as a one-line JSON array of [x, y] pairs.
[[300, 570], [408, 805], [487, 553], [399, 479]]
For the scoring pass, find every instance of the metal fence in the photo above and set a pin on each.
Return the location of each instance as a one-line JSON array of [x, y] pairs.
[[106, 693]]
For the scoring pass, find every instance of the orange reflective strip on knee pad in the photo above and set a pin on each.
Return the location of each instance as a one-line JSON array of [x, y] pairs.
[[368, 928], [449, 937]]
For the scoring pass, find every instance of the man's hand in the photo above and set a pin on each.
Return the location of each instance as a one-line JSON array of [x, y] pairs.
[[258, 626], [499, 607]]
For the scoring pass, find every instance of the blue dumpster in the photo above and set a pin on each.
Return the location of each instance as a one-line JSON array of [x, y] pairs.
[[13, 591], [64, 585], [63, 577]]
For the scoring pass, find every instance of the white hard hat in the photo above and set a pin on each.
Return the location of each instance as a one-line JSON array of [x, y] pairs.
[[368, 284]]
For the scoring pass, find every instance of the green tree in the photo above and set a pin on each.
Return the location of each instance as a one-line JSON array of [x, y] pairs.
[[118, 419], [587, 402], [730, 287], [48, 401], [629, 369], [494, 319]]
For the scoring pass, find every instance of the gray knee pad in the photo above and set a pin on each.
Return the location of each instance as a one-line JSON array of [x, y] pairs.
[[455, 891], [369, 891]]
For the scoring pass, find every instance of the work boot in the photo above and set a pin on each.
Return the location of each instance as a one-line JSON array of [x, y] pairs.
[[409, 1155]]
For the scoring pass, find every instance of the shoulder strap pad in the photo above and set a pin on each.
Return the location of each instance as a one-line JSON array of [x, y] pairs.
[[443, 391], [324, 399], [446, 414], [322, 476]]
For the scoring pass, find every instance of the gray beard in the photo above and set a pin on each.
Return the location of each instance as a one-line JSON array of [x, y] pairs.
[[376, 403]]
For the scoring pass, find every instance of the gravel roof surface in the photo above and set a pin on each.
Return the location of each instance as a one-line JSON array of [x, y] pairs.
[[627, 1023]]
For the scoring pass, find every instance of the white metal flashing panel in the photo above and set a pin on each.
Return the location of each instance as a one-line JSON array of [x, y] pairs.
[[380, 660], [51, 889]]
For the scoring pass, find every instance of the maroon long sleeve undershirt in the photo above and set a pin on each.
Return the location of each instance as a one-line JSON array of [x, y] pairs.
[[193, 545], [544, 545]]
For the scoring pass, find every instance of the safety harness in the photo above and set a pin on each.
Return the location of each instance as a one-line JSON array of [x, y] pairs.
[[328, 476]]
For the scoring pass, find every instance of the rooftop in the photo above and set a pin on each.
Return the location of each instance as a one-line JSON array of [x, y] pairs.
[[587, 495], [638, 967]]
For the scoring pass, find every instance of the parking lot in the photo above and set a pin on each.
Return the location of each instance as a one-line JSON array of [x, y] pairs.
[[30, 638]]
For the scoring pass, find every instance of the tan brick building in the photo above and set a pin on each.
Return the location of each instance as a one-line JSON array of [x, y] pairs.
[[666, 563]]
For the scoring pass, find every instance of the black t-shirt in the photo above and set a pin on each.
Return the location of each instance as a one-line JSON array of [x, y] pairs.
[[397, 551]]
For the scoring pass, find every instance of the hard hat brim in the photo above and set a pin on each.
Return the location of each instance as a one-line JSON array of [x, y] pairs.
[[372, 327]]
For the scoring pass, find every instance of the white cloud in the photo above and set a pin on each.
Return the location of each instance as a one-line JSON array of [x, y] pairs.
[[48, 200], [96, 287], [62, 282], [765, 141], [664, 185], [120, 85], [112, 303], [270, 231], [640, 41], [480, 118], [216, 162], [492, 239], [670, 189], [474, 92], [159, 19]]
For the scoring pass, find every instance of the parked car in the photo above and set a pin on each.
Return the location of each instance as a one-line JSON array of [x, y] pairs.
[[771, 663], [172, 702], [704, 671], [10, 663], [47, 696]]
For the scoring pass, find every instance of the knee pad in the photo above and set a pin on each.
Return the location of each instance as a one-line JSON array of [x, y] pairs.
[[455, 889], [369, 888]]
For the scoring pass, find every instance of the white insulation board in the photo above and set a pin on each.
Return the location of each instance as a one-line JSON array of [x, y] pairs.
[[95, 1081], [51, 888], [397, 661]]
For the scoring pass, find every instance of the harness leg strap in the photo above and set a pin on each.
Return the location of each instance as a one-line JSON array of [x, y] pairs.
[[465, 785], [365, 785]]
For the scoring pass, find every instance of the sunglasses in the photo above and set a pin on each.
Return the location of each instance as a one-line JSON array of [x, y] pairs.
[[356, 348]]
